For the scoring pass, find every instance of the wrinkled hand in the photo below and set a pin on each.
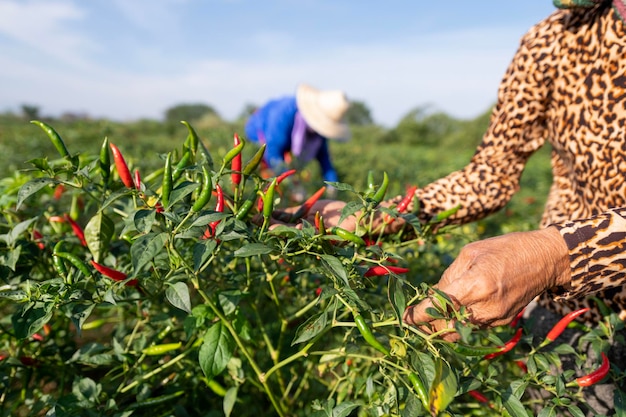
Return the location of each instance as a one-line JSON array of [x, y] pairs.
[[496, 278]]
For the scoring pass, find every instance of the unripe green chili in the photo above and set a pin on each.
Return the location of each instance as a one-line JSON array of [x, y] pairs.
[[56, 140], [205, 194], [367, 334], [445, 214], [268, 200], [371, 185], [192, 138], [155, 401], [382, 190], [166, 188], [104, 162], [346, 235], [419, 388], [161, 349], [254, 162], [230, 155], [75, 261], [57, 262], [181, 165], [244, 209]]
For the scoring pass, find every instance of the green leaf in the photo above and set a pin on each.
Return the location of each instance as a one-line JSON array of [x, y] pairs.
[[178, 295], [181, 191], [253, 249], [98, 234], [512, 404], [202, 251], [229, 401], [30, 319], [80, 313], [344, 409], [10, 258], [31, 187], [146, 248], [396, 297], [335, 268], [444, 388], [575, 411], [144, 219], [620, 402], [216, 350], [311, 328], [17, 295], [349, 209], [11, 237]]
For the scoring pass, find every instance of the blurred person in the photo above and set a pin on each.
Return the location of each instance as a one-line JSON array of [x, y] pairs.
[[299, 127]]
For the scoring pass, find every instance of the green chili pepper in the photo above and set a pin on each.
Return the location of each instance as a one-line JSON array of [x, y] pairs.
[[244, 209], [419, 388], [181, 165], [367, 334], [382, 190], [346, 235], [467, 350], [371, 185], [104, 162], [75, 261], [268, 200], [56, 140], [254, 162], [161, 349], [319, 223], [205, 194], [166, 188], [57, 262], [445, 214], [236, 150], [156, 401], [192, 138]]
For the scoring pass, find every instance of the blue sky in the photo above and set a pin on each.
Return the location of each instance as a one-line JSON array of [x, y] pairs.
[[129, 59]]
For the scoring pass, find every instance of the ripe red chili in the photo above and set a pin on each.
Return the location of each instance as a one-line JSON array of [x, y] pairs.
[[403, 205], [508, 345], [235, 164], [122, 167], [479, 396], [78, 230], [380, 270], [304, 209], [37, 237], [113, 274], [562, 324], [219, 207], [517, 318], [137, 179], [58, 191], [597, 375]]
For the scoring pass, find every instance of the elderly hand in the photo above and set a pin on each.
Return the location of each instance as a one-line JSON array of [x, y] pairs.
[[496, 278]]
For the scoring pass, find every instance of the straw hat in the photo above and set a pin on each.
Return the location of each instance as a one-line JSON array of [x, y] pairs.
[[324, 111]]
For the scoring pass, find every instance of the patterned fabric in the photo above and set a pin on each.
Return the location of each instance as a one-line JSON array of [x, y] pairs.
[[618, 5], [566, 86]]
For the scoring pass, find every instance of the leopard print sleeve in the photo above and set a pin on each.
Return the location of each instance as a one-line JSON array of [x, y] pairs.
[[597, 248], [516, 130]]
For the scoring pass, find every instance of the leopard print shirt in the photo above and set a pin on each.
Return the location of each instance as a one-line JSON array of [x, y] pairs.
[[566, 85]]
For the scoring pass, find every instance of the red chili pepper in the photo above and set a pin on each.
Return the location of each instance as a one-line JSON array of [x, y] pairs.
[[479, 396], [318, 291], [29, 361], [78, 230], [279, 179], [58, 191], [56, 219], [37, 237], [522, 366], [113, 274], [37, 337], [597, 375], [517, 318], [137, 179], [219, 207], [304, 209], [380, 270], [508, 345], [122, 167], [403, 204], [235, 164], [562, 324]]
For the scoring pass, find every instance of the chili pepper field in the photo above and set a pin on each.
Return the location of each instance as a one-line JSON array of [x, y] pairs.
[[140, 277]]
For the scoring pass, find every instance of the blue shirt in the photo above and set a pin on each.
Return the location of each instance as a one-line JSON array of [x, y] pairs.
[[279, 125]]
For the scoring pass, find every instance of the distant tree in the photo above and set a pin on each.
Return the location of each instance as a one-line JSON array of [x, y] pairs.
[[30, 112], [422, 127], [359, 114], [189, 112]]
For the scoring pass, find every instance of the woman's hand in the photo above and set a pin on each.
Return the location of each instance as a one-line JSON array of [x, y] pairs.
[[330, 210], [496, 278]]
